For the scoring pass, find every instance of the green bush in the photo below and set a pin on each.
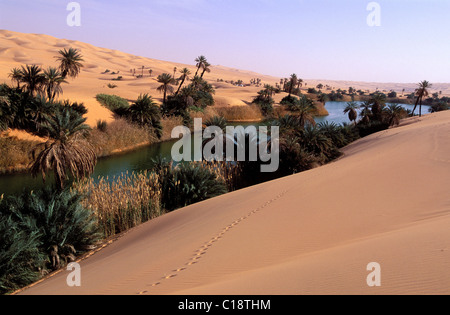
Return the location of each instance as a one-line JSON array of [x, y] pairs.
[[47, 224], [187, 184], [20, 256], [112, 102]]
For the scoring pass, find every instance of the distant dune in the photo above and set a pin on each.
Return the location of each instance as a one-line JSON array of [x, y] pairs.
[[17, 49], [385, 201]]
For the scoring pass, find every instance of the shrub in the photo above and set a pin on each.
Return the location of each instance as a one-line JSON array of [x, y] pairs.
[[20, 257], [59, 216], [111, 86], [187, 184], [42, 230], [438, 107], [112, 102]]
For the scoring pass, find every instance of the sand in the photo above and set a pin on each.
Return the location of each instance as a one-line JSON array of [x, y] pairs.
[[17, 49], [385, 201]]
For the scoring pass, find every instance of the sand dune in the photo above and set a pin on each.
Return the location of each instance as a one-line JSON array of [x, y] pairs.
[[385, 201], [18, 49]]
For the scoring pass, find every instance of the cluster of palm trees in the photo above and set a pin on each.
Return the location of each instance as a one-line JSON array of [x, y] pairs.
[[292, 84], [66, 150], [35, 80], [167, 80]]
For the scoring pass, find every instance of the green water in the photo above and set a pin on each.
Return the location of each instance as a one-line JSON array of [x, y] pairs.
[[141, 159]]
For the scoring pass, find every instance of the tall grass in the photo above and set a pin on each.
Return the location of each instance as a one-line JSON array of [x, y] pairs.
[[126, 201], [119, 135], [122, 202], [15, 154], [240, 113]]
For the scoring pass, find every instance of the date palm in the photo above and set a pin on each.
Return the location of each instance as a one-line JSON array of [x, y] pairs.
[[394, 114], [293, 83], [166, 81], [53, 81], [206, 68], [185, 73], [200, 62], [70, 62], [351, 110], [366, 112], [16, 75], [66, 150], [146, 113], [378, 101], [32, 78], [421, 92]]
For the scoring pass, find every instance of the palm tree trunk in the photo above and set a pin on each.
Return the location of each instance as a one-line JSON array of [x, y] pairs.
[[179, 88], [417, 103], [420, 108], [165, 94]]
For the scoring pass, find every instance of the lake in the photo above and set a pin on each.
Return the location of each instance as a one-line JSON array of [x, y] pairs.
[[141, 159]]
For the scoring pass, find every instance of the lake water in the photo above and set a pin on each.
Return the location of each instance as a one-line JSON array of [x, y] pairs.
[[141, 159]]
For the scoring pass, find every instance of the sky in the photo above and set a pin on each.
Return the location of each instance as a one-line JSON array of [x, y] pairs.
[[316, 39]]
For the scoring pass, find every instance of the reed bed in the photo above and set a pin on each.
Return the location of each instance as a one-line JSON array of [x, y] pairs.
[[123, 202], [126, 201]]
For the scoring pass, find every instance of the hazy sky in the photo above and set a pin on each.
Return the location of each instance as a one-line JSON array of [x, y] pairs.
[[317, 39]]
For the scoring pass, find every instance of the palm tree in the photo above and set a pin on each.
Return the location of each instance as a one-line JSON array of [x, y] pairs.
[[299, 85], [293, 83], [174, 71], [146, 113], [166, 80], [378, 101], [66, 149], [16, 75], [150, 72], [32, 78], [206, 68], [216, 121], [185, 73], [315, 141], [366, 112], [41, 109], [53, 81], [70, 62], [421, 92], [351, 111], [395, 113], [201, 60]]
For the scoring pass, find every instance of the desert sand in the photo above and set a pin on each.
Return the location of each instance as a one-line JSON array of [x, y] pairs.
[[17, 49], [385, 201]]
